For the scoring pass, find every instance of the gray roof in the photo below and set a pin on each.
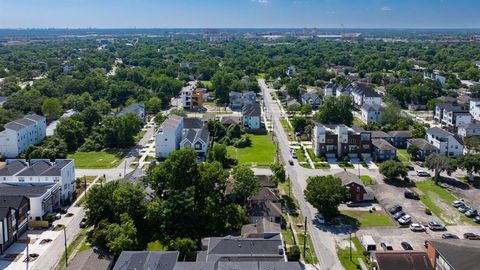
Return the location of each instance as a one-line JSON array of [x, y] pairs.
[[35, 117], [91, 259], [451, 108], [383, 145], [172, 121], [230, 119], [379, 134], [13, 167], [27, 120], [266, 194], [470, 126], [403, 260], [133, 108], [348, 178], [438, 132], [264, 209], [146, 260], [365, 91], [459, 253], [261, 227], [14, 201], [194, 135], [400, 134], [36, 169], [252, 110], [312, 96], [56, 169], [238, 266], [422, 144], [192, 122], [30, 190]]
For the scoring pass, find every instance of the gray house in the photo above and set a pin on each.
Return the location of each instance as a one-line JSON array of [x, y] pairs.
[[383, 150], [424, 147], [312, 99], [399, 138], [138, 109]]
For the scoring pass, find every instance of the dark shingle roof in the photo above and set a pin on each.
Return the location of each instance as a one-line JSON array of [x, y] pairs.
[[56, 170], [383, 145], [251, 110], [365, 91], [422, 144], [237, 266], [379, 134], [451, 108], [192, 122], [470, 126], [438, 132], [348, 177], [13, 167], [460, 254], [400, 134], [91, 259], [146, 260], [36, 169], [403, 260], [14, 201], [264, 209], [31, 190], [27, 120], [241, 247]]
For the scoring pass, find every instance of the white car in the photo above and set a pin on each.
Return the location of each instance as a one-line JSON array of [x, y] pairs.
[[423, 174], [415, 227], [405, 220]]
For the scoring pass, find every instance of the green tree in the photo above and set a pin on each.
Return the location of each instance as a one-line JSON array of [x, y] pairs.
[[413, 151], [299, 124], [71, 131], [121, 236], [246, 183], [306, 109], [160, 118], [393, 169], [218, 153], [183, 245], [179, 112], [279, 174], [153, 105], [335, 111], [469, 163], [325, 193], [439, 163], [52, 109], [418, 130]]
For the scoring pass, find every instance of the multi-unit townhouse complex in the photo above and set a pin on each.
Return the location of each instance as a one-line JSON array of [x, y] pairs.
[[469, 130], [239, 100], [13, 219], [451, 116], [475, 109], [340, 140], [362, 94], [20, 134], [447, 143]]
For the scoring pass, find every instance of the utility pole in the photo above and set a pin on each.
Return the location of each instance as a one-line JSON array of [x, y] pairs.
[[66, 252], [351, 247], [125, 169], [85, 181], [28, 255], [305, 239]]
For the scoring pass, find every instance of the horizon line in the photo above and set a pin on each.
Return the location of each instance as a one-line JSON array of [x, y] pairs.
[[238, 28]]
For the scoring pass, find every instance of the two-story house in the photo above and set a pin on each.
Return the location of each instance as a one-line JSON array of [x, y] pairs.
[[313, 99], [451, 116], [13, 219], [137, 108], [399, 138], [195, 136], [20, 134], [335, 90], [239, 100], [383, 150], [252, 116], [340, 140], [362, 94], [447, 143], [475, 109], [61, 171], [469, 130], [371, 113]]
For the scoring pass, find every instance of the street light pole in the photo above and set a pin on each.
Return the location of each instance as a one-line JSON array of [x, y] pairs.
[[66, 252], [305, 239], [351, 247]]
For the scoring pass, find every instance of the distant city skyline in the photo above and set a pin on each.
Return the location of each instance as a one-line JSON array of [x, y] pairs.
[[239, 14]]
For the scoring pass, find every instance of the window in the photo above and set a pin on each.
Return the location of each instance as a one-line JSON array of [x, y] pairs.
[[198, 146]]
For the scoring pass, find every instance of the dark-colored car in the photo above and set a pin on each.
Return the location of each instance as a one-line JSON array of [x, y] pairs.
[[471, 213], [290, 162], [83, 223], [398, 215], [449, 236], [435, 226], [395, 208], [406, 246], [411, 195], [471, 236], [354, 204]]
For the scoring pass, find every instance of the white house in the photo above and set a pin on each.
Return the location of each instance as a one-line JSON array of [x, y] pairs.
[[251, 115], [238, 100], [475, 109], [451, 116], [371, 113], [137, 108], [448, 143], [435, 76], [469, 130], [365, 95], [198, 139], [61, 171], [291, 71], [20, 134], [168, 136]]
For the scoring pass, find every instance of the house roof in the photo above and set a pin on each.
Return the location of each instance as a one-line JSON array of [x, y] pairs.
[[451, 108], [13, 167], [237, 266], [146, 260], [379, 134], [261, 227], [193, 135], [192, 122], [230, 119], [133, 108], [383, 145], [172, 121], [56, 169], [4, 212], [348, 178], [292, 101], [252, 110], [470, 126], [400, 134], [311, 96], [35, 117], [403, 260], [438, 132], [91, 259], [266, 194], [264, 209], [30, 190], [14, 201], [37, 169], [422, 144], [460, 254], [265, 181], [365, 91], [21, 123]]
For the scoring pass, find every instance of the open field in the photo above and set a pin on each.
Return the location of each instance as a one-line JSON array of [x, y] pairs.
[[366, 219], [97, 160], [261, 152]]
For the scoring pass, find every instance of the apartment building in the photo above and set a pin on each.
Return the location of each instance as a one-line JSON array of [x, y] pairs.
[[451, 116], [239, 100], [371, 113], [340, 140], [447, 143], [362, 94], [475, 109], [469, 130], [20, 134], [13, 219]]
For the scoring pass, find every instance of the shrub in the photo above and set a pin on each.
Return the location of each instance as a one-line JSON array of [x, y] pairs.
[[428, 211], [243, 142], [50, 218], [293, 253]]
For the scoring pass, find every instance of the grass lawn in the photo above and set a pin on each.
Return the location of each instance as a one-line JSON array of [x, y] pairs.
[[322, 165], [313, 157], [97, 160], [366, 219], [346, 165], [262, 151], [357, 253], [357, 122], [403, 156], [300, 155], [367, 180], [288, 129], [207, 84], [139, 136], [434, 197], [288, 237]]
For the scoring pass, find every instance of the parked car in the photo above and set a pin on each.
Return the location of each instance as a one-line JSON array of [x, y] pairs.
[[471, 236], [423, 174], [419, 163], [405, 220], [386, 245], [425, 243], [457, 204], [411, 195], [294, 155], [415, 227], [354, 204], [449, 236], [395, 208], [398, 215], [435, 226], [471, 213], [319, 218], [83, 223], [476, 219], [290, 162], [58, 216], [406, 246], [63, 210], [463, 209]]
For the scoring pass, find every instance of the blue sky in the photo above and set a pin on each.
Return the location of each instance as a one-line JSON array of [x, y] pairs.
[[240, 13]]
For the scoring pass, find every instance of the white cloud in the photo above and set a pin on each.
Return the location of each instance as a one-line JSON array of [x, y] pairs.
[[386, 8], [263, 2]]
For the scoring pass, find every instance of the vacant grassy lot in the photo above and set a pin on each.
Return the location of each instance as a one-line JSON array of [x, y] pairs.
[[300, 155], [97, 160], [357, 253], [403, 156], [439, 200], [367, 180], [288, 129], [262, 151], [366, 219]]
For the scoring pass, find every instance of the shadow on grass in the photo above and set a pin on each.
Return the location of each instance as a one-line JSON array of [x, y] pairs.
[[459, 184], [399, 182], [290, 203]]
